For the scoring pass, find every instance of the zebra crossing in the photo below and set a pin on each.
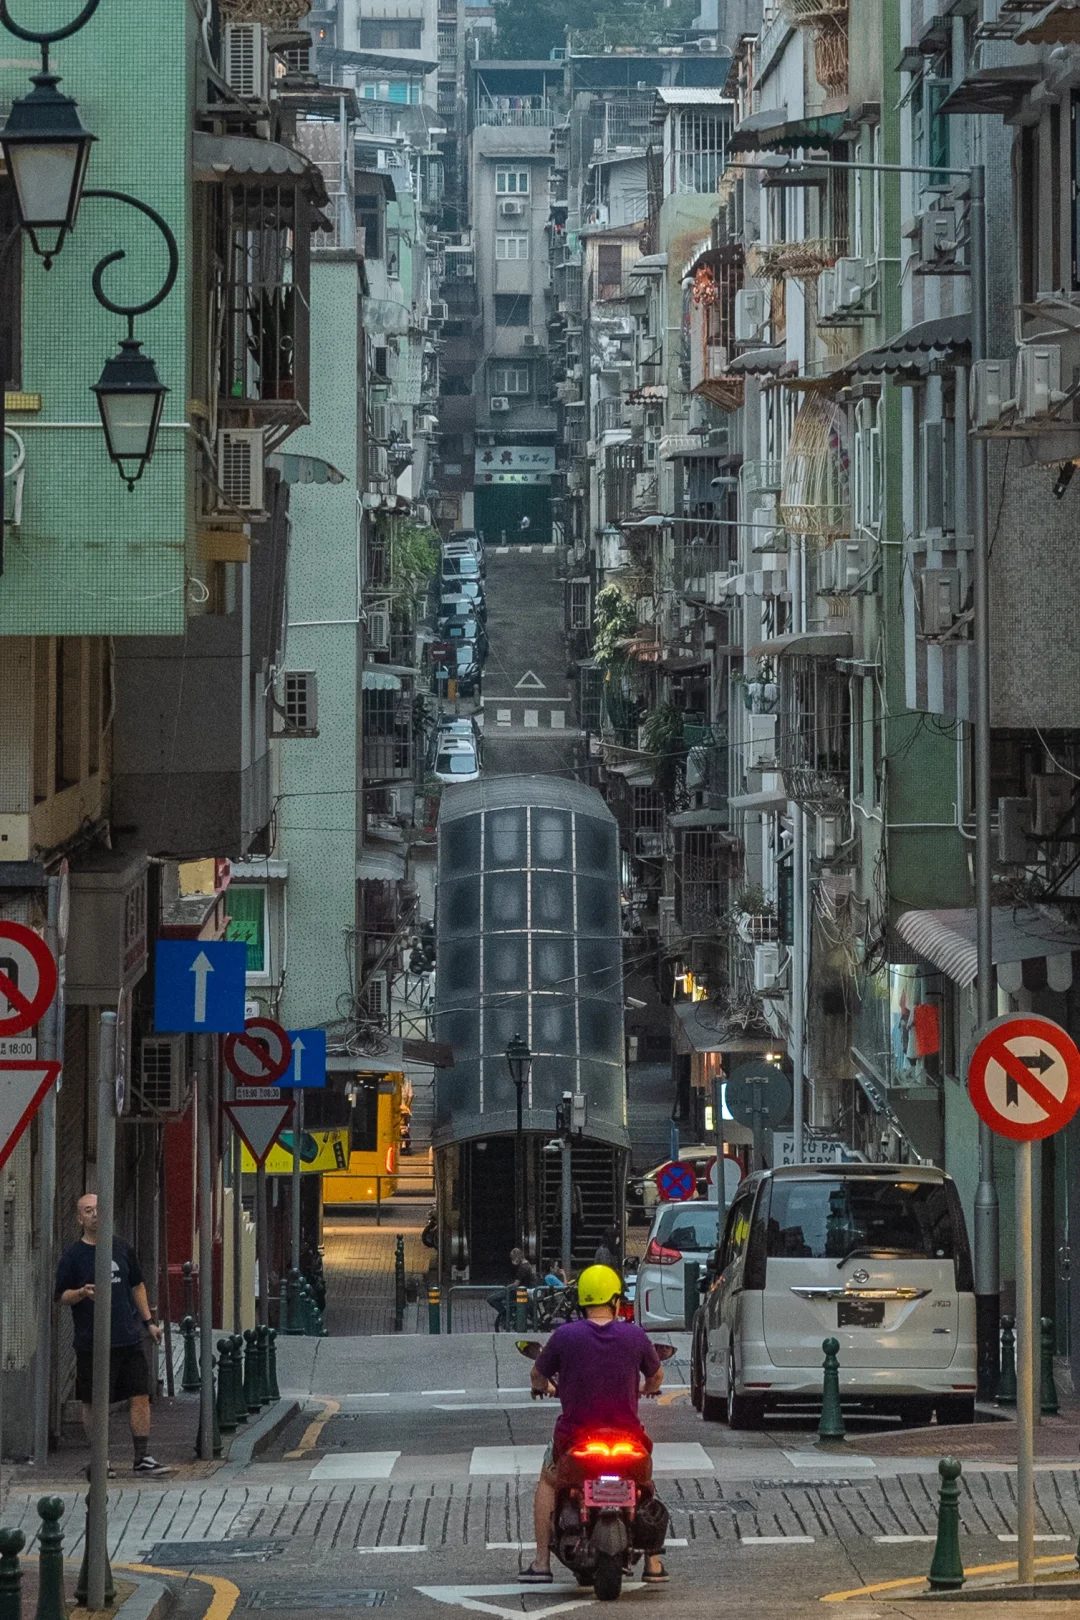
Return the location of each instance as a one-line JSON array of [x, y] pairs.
[[688, 1460]]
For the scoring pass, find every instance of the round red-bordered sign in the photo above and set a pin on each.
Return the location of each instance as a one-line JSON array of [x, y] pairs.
[[260, 1055], [27, 978], [1024, 1077], [675, 1182]]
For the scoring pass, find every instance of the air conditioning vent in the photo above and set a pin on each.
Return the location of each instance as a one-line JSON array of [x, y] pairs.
[[765, 534], [300, 694], [1051, 803], [499, 403], [939, 241], [374, 997], [845, 567], [989, 391], [826, 837], [380, 422], [439, 312], [826, 295], [939, 599], [511, 209], [1038, 379], [378, 628], [245, 60], [751, 314], [529, 340], [162, 1075], [766, 966], [241, 465], [855, 280]]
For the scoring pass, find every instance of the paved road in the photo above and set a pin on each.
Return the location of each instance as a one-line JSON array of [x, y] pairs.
[[528, 713]]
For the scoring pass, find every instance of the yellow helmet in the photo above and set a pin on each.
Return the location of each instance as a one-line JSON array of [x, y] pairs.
[[598, 1285]]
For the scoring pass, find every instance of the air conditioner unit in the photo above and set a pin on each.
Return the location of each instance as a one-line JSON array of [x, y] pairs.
[[378, 628], [1051, 802], [939, 240], [1014, 832], [766, 966], [511, 209], [499, 403], [246, 60], [751, 314], [989, 391], [716, 362], [939, 599], [373, 994], [162, 1076], [300, 702], [826, 837], [855, 281], [846, 566], [1038, 379], [241, 467], [380, 422], [438, 313], [826, 294], [765, 533], [529, 340]]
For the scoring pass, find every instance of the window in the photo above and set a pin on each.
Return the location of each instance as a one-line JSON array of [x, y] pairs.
[[247, 924], [580, 615], [512, 182], [512, 245], [513, 309], [369, 226], [609, 268], [401, 92], [510, 380], [68, 711], [301, 701], [391, 33], [822, 1219], [930, 126]]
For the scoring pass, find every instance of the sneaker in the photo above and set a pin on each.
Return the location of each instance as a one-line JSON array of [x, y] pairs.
[[150, 1467]]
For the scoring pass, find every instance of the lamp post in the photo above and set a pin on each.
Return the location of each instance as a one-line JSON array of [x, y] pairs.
[[519, 1062]]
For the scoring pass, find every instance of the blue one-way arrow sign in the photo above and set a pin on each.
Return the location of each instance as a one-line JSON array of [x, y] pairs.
[[199, 987], [308, 1065]]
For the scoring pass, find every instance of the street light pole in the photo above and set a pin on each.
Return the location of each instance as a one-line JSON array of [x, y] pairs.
[[519, 1062]]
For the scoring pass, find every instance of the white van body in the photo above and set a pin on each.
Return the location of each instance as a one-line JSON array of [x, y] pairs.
[[875, 1256]]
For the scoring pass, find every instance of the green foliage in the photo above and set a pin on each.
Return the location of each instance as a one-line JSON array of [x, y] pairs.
[[529, 30], [662, 738], [414, 557], [615, 618]]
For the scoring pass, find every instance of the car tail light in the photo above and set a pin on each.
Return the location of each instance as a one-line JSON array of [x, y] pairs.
[[657, 1255], [615, 1450]]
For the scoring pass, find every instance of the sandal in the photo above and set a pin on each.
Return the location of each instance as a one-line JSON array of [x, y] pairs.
[[535, 1577], [654, 1577]]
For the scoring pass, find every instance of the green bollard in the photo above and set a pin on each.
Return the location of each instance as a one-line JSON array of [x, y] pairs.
[[251, 1372], [304, 1304], [82, 1585], [226, 1411], [51, 1602], [1048, 1405], [12, 1543], [831, 1426], [521, 1310], [239, 1400], [691, 1296], [262, 1352], [292, 1314], [271, 1364], [191, 1379], [399, 1283], [946, 1568], [1006, 1390], [433, 1312]]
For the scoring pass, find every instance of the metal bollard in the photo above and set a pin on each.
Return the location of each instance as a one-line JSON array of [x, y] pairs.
[[262, 1362], [1006, 1390], [83, 1582], [239, 1399], [1048, 1405], [946, 1568], [251, 1371], [226, 1406], [399, 1283], [51, 1602], [521, 1310], [187, 1271], [691, 1296], [271, 1364], [191, 1379], [433, 1311], [831, 1426], [292, 1313], [12, 1543]]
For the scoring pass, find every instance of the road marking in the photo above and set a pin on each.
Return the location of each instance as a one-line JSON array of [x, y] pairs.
[[506, 1459], [489, 1406], [558, 719], [473, 1597], [356, 1465], [1006, 1537], [502, 717], [226, 1594], [511, 1546], [775, 1541], [418, 1547], [546, 549], [683, 1458], [899, 1541], [370, 1395], [310, 1437], [532, 717], [920, 1580], [501, 551], [824, 1459], [444, 1392], [531, 680]]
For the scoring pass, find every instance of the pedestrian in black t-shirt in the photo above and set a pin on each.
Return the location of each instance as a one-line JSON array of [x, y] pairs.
[[129, 1375]]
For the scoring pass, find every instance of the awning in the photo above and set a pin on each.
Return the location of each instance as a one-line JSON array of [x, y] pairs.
[[379, 680], [758, 362], [949, 335], [774, 131], [379, 64], [298, 469], [806, 644], [996, 91], [706, 1030], [218, 158], [392, 1061], [772, 799], [695, 819], [1056, 24], [383, 181], [653, 264], [379, 866], [1020, 935]]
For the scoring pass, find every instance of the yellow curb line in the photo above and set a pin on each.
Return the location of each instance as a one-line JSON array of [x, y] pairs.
[[920, 1580], [226, 1594], [314, 1430], [669, 1400]]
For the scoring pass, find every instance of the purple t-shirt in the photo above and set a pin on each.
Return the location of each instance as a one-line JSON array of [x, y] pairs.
[[598, 1366]]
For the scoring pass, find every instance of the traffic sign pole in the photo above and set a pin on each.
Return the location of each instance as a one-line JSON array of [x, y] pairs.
[[1026, 1339], [262, 1242], [206, 1251], [51, 1051], [97, 1526], [298, 1129]]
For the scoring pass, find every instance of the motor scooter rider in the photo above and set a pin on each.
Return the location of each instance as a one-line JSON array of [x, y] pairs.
[[598, 1362]]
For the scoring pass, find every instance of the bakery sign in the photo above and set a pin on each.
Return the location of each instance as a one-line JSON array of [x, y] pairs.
[[515, 464]]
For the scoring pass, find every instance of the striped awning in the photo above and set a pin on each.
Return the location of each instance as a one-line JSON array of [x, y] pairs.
[[1039, 937]]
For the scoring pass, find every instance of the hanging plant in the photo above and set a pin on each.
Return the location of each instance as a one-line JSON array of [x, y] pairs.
[[705, 290], [662, 738], [615, 618]]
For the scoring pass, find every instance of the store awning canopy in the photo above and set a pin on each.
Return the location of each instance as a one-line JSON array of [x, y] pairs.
[[696, 820], [949, 335], [380, 866], [379, 680], [765, 362], [220, 158], [298, 469], [806, 644], [1032, 946], [774, 131]]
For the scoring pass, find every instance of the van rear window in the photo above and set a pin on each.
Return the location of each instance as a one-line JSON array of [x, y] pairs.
[[823, 1219]]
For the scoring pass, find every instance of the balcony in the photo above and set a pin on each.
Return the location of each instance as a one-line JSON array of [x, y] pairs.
[[707, 859], [517, 112], [813, 745], [387, 727], [610, 415]]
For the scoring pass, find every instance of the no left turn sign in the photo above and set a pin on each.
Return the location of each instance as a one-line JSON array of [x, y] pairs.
[[261, 1054], [1024, 1077]]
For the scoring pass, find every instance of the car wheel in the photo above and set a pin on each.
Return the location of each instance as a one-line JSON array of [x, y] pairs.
[[915, 1412], [956, 1409], [697, 1372], [743, 1411]]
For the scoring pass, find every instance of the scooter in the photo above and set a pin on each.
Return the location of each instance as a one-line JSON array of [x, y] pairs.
[[607, 1514]]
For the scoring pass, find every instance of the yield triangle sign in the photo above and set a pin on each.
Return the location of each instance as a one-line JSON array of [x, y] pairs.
[[259, 1124], [23, 1085], [530, 680]]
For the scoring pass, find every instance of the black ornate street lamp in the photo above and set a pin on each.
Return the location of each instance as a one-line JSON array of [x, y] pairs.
[[519, 1062], [45, 145]]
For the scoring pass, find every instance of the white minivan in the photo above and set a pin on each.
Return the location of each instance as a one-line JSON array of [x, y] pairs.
[[873, 1255]]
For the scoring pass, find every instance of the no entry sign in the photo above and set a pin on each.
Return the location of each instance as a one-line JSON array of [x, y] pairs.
[[675, 1182], [260, 1055], [1024, 1077], [27, 978]]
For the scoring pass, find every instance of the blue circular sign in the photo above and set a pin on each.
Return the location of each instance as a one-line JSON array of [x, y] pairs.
[[676, 1181]]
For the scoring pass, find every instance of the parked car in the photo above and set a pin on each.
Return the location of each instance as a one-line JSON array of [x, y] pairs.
[[875, 1255], [642, 1196], [679, 1232], [466, 537], [463, 597], [466, 629], [465, 725], [464, 548], [457, 760], [455, 661], [457, 567]]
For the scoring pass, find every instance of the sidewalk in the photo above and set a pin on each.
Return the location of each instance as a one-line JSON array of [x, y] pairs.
[[358, 1259], [992, 1438]]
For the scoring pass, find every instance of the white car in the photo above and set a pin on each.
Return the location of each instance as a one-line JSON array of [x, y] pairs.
[[457, 760], [679, 1233], [874, 1255]]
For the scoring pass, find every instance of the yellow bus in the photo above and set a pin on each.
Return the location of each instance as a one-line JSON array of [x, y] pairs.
[[370, 1105]]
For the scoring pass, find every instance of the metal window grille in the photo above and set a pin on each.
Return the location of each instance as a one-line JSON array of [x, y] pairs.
[[590, 696], [706, 860], [647, 813], [261, 273], [300, 700], [700, 142], [387, 735], [814, 732], [580, 606]]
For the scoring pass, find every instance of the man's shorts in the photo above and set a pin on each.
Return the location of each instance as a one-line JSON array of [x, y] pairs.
[[128, 1374]]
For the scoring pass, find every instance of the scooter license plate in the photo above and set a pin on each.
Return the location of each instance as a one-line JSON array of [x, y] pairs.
[[610, 1492]]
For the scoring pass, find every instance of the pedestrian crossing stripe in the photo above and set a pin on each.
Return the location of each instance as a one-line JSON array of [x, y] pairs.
[[356, 1465], [478, 1598], [688, 1459]]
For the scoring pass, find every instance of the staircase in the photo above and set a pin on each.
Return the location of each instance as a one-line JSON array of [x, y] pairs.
[[594, 1171], [415, 1182]]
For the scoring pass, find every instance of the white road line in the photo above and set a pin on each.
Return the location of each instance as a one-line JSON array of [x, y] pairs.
[[418, 1547], [775, 1541], [532, 717], [676, 1541], [1037, 1538], [511, 1546], [506, 1459], [444, 1392], [370, 1395], [356, 1465], [900, 1541], [683, 1458], [558, 719], [826, 1459], [488, 1406], [502, 717], [500, 551]]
